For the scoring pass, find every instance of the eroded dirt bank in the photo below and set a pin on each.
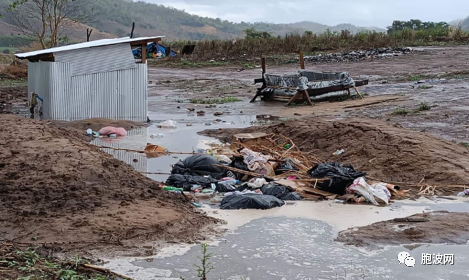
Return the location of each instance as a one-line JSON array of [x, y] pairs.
[[60, 191], [434, 227], [385, 152]]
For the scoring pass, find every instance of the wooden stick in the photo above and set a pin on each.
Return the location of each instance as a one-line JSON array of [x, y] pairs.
[[302, 61], [263, 66], [157, 173], [132, 32], [359, 94], [105, 270], [144, 53]]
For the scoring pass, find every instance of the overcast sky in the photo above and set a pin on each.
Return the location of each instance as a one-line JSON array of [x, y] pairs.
[[378, 13]]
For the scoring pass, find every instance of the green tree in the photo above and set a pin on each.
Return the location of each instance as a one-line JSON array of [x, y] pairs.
[[253, 33]]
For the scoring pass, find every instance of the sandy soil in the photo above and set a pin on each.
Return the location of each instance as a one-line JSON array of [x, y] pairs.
[[435, 227], [62, 192]]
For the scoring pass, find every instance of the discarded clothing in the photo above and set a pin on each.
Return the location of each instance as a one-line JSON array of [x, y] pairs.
[[256, 162], [339, 176], [376, 193], [118, 131], [186, 182], [199, 165], [250, 201]]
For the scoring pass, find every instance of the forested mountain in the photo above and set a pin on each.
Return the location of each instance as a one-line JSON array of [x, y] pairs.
[[116, 16]]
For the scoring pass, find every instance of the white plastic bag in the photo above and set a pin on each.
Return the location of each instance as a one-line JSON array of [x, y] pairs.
[[168, 124], [376, 193]]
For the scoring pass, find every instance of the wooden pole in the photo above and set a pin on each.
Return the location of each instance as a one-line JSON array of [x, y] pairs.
[[302, 61], [263, 65], [133, 28], [88, 34], [144, 53]]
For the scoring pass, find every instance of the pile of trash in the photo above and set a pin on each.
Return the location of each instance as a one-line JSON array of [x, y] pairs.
[[262, 171], [359, 55]]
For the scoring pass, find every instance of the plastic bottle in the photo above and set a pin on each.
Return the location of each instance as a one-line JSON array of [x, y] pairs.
[[166, 188]]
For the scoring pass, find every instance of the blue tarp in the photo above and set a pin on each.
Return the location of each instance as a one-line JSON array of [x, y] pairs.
[[153, 48]]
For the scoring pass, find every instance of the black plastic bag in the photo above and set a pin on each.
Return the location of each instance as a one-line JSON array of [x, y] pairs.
[[226, 186], [340, 176], [276, 190], [237, 163], [199, 165], [187, 181], [291, 196], [250, 201], [285, 167]]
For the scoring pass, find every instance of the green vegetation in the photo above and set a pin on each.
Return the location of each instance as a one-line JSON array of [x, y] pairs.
[[29, 264], [401, 111], [423, 107], [256, 45], [416, 24], [14, 41], [464, 144], [215, 100]]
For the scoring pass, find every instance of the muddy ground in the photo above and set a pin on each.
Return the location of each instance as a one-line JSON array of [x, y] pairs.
[[88, 200], [392, 86], [436, 227], [59, 191]]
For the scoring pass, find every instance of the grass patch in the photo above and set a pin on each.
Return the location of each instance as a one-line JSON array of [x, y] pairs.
[[464, 144], [401, 111], [13, 82], [29, 264], [215, 100], [416, 78], [423, 107]]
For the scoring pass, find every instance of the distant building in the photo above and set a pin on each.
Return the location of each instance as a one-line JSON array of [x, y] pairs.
[[98, 79]]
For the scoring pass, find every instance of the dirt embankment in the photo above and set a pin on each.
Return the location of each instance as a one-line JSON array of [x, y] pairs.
[[435, 227], [385, 152], [59, 190]]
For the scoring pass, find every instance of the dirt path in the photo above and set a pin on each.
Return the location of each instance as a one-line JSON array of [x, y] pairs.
[[59, 191]]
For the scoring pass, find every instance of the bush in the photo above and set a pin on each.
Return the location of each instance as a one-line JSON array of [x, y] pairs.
[[6, 51]]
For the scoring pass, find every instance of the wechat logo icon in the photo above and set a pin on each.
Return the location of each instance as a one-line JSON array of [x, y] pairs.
[[405, 258]]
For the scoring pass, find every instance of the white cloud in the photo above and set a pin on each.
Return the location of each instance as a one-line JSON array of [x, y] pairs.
[[379, 13]]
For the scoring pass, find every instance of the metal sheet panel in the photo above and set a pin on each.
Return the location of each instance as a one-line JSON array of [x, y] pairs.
[[99, 59], [116, 95]]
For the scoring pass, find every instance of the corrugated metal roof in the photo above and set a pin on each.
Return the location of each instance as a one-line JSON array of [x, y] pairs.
[[97, 43]]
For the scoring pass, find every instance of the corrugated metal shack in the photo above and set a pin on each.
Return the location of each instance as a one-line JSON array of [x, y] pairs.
[[98, 79]]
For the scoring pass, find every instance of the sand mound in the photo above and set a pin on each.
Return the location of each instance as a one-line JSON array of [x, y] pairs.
[[57, 188], [386, 152]]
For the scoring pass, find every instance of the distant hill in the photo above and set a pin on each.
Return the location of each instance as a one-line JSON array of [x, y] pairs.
[[465, 24], [115, 17]]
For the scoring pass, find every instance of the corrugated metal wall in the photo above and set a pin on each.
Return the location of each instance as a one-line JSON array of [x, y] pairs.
[[99, 59], [120, 94]]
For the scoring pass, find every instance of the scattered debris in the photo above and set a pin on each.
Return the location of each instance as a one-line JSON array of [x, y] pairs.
[[359, 55], [168, 124]]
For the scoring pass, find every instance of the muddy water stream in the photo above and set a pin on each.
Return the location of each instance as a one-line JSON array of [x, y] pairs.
[[296, 241]]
